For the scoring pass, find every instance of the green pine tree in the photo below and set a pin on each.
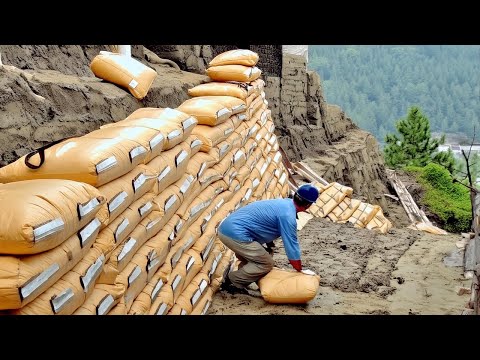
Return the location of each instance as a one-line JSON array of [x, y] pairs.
[[415, 146]]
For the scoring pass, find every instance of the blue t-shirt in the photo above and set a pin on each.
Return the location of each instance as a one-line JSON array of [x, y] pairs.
[[264, 221]]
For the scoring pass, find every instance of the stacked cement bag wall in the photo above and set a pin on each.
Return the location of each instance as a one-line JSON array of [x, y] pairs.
[[166, 178]]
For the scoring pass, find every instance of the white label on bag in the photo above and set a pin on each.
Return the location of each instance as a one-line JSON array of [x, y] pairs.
[[123, 225], [92, 273], [134, 275], [88, 207], [228, 131], [161, 309], [106, 164], [156, 140], [38, 280], [126, 249], [156, 290], [117, 201], [139, 150], [145, 208], [173, 134], [277, 157], [170, 201], [139, 181], [133, 84], [88, 231], [47, 229], [60, 300], [196, 143], [105, 305], [186, 184], [180, 157], [164, 173], [189, 122], [190, 263], [223, 114]]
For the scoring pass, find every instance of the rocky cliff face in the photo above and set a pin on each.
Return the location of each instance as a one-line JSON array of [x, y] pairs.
[[49, 92]]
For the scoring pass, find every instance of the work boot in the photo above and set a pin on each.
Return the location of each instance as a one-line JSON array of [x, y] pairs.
[[232, 289]]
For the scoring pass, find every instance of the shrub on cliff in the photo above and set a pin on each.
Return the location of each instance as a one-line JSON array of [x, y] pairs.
[[449, 201]]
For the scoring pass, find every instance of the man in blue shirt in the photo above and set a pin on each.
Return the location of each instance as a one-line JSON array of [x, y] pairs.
[[247, 229]]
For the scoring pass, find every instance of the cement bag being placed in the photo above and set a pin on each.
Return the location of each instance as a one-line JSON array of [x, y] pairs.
[[234, 73], [282, 286], [235, 57], [23, 278], [238, 90], [92, 161], [38, 215], [124, 71], [207, 111]]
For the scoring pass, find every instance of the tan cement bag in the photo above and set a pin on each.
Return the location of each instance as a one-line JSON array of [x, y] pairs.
[[119, 308], [168, 202], [250, 98], [154, 252], [123, 191], [117, 231], [224, 148], [186, 121], [102, 299], [156, 247], [186, 185], [133, 278], [239, 159], [240, 73], [254, 110], [364, 213], [142, 304], [199, 162], [238, 90], [235, 57], [249, 148], [379, 223], [23, 278], [209, 177], [191, 295], [330, 196], [92, 161], [173, 132], [225, 163], [69, 292], [150, 141], [210, 265], [193, 263], [203, 304], [344, 210], [125, 72], [38, 215], [122, 255], [235, 140], [258, 85], [163, 301], [224, 267], [212, 135], [282, 286], [207, 111], [232, 103], [243, 130]]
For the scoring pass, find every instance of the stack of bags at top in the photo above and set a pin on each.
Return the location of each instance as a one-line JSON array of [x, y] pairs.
[[238, 127]]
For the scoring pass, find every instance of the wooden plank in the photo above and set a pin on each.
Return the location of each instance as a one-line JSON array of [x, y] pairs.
[[300, 166]]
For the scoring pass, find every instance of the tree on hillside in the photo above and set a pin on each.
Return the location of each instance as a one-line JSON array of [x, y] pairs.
[[415, 146]]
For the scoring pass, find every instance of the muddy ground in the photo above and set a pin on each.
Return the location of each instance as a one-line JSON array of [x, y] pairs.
[[365, 272]]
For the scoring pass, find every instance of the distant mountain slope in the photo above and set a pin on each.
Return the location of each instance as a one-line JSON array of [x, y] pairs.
[[376, 84]]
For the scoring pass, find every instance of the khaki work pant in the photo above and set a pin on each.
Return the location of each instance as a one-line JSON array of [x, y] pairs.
[[256, 262]]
